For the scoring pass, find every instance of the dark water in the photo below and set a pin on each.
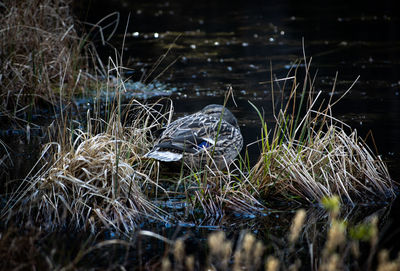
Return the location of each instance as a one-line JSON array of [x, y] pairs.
[[217, 44]]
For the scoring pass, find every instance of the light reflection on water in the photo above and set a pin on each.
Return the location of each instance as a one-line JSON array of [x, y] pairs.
[[220, 44]]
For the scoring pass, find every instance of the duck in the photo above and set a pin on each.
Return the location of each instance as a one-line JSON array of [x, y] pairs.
[[211, 132]]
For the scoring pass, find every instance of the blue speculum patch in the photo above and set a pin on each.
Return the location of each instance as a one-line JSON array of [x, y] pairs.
[[204, 144]]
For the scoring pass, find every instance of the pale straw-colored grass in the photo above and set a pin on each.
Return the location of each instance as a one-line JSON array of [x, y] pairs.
[[219, 193], [317, 156], [92, 180], [42, 58]]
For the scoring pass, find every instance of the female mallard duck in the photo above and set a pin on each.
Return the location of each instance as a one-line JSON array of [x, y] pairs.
[[197, 137]]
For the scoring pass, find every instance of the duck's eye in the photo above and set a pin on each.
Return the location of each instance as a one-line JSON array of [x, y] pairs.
[[204, 144]]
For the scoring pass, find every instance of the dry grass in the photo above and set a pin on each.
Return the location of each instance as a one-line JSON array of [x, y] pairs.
[[90, 179], [317, 156], [43, 59], [218, 193]]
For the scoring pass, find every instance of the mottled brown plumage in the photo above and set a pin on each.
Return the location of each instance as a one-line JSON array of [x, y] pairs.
[[196, 137]]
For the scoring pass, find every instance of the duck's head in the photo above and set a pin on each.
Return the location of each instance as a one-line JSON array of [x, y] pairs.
[[216, 110]]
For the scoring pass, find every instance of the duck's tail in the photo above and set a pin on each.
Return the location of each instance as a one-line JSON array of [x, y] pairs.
[[164, 155]]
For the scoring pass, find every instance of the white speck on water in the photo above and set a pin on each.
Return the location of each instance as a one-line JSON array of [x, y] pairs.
[[271, 39], [282, 32], [156, 35], [229, 68], [245, 44], [208, 59], [255, 35], [135, 34], [243, 91], [216, 43], [193, 46]]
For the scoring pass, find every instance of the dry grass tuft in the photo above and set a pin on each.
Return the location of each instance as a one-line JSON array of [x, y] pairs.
[[90, 180], [42, 56], [314, 157], [218, 193]]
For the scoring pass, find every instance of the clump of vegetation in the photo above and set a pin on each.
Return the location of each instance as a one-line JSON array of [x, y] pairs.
[[316, 156], [43, 59], [90, 179], [217, 193]]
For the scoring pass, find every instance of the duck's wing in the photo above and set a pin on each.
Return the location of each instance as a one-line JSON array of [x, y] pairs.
[[185, 135], [193, 134]]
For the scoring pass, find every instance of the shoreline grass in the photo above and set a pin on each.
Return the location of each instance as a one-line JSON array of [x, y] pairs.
[[43, 59], [315, 156]]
